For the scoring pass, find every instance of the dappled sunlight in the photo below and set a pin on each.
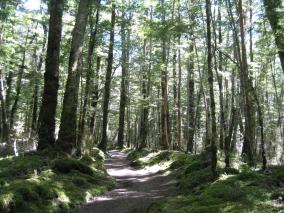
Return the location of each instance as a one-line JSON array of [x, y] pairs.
[[135, 187]]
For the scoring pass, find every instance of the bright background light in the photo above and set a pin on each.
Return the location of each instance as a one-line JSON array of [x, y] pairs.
[[32, 4]]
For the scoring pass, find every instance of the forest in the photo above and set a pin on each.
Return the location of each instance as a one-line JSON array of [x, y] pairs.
[[135, 106]]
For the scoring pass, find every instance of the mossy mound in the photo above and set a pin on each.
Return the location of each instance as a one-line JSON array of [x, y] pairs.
[[38, 182], [234, 190], [142, 158]]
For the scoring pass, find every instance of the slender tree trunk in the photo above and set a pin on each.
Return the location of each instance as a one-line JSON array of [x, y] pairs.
[[223, 125], [249, 137], [89, 77], [68, 126], [38, 67], [164, 88], [46, 123], [191, 101], [5, 126], [145, 107], [103, 143], [233, 120], [8, 91], [18, 87], [124, 79], [95, 97], [211, 92], [175, 122]]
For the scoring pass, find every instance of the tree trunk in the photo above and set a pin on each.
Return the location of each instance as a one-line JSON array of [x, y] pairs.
[[211, 92], [89, 77], [18, 86], [191, 101], [164, 87], [47, 114], [233, 120], [5, 127], [124, 79], [145, 107], [249, 136], [68, 126], [38, 67], [95, 97], [103, 143]]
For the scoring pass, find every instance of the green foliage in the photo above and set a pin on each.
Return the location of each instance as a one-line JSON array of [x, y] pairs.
[[55, 187]]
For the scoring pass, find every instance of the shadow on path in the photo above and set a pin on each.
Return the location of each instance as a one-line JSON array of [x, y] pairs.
[[135, 191]]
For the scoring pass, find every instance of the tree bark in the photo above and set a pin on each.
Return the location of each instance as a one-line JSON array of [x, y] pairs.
[[38, 66], [191, 101], [18, 85], [68, 126], [164, 87], [249, 106], [124, 79], [103, 143], [47, 114], [89, 77], [211, 92]]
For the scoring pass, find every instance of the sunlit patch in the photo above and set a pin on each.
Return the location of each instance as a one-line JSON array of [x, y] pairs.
[[102, 198], [62, 197], [6, 199]]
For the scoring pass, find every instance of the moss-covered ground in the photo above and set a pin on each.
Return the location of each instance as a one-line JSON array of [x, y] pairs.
[[242, 190], [41, 182]]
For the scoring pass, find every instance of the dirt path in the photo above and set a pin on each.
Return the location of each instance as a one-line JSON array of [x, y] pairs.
[[135, 191]]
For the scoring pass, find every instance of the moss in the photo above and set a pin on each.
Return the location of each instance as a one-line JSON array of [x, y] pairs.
[[161, 157], [234, 191], [28, 192], [142, 158], [137, 164], [48, 185], [67, 165], [136, 154], [230, 171]]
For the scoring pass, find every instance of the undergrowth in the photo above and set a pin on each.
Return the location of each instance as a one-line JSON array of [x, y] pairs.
[[233, 191], [40, 182]]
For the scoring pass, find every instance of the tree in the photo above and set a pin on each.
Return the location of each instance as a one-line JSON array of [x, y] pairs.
[[46, 124], [68, 126], [89, 77], [211, 92], [164, 88], [103, 143], [124, 76]]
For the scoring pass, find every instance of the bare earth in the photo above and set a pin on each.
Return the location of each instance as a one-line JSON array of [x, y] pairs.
[[136, 189]]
